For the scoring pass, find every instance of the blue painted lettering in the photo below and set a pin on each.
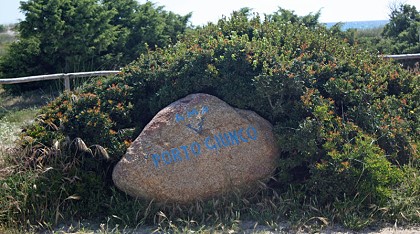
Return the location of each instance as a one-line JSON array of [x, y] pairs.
[[192, 113], [176, 154], [234, 138], [255, 133], [218, 141], [185, 149], [204, 110], [166, 157], [210, 147], [156, 160], [195, 148], [224, 139], [215, 142], [240, 135], [179, 118]]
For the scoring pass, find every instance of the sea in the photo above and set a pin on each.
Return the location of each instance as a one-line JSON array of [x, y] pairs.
[[360, 24]]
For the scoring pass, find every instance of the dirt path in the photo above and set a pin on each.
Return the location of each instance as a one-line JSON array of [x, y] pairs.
[[247, 227]]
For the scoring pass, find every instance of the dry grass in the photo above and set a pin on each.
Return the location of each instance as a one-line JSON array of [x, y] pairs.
[[16, 111], [31, 99]]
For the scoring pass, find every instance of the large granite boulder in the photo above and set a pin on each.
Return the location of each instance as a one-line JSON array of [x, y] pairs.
[[196, 148]]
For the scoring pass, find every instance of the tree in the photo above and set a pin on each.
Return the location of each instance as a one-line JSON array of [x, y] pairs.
[[124, 19], [403, 29], [144, 26], [73, 35], [283, 15], [77, 35], [60, 36]]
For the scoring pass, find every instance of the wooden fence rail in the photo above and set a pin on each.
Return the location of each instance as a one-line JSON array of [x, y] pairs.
[[402, 56], [65, 76]]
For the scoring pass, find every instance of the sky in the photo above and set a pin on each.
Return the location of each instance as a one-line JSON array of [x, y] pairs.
[[210, 11]]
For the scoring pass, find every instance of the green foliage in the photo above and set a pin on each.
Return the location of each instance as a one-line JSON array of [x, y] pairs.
[[69, 36], [403, 29], [143, 26], [59, 36], [3, 28], [346, 120], [285, 16]]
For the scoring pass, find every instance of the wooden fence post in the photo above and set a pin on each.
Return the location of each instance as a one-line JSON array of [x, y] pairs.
[[66, 83]]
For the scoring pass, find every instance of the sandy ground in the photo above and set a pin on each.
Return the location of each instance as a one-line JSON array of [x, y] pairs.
[[247, 227], [250, 227]]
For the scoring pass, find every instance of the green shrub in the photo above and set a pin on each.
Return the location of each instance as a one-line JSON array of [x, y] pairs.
[[345, 120]]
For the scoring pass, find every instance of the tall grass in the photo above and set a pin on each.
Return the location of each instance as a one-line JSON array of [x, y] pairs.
[[370, 32]]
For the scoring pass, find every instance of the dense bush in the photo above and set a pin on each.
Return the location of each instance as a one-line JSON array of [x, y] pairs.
[[346, 120]]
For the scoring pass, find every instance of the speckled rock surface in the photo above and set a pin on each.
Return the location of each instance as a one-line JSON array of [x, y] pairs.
[[196, 148]]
